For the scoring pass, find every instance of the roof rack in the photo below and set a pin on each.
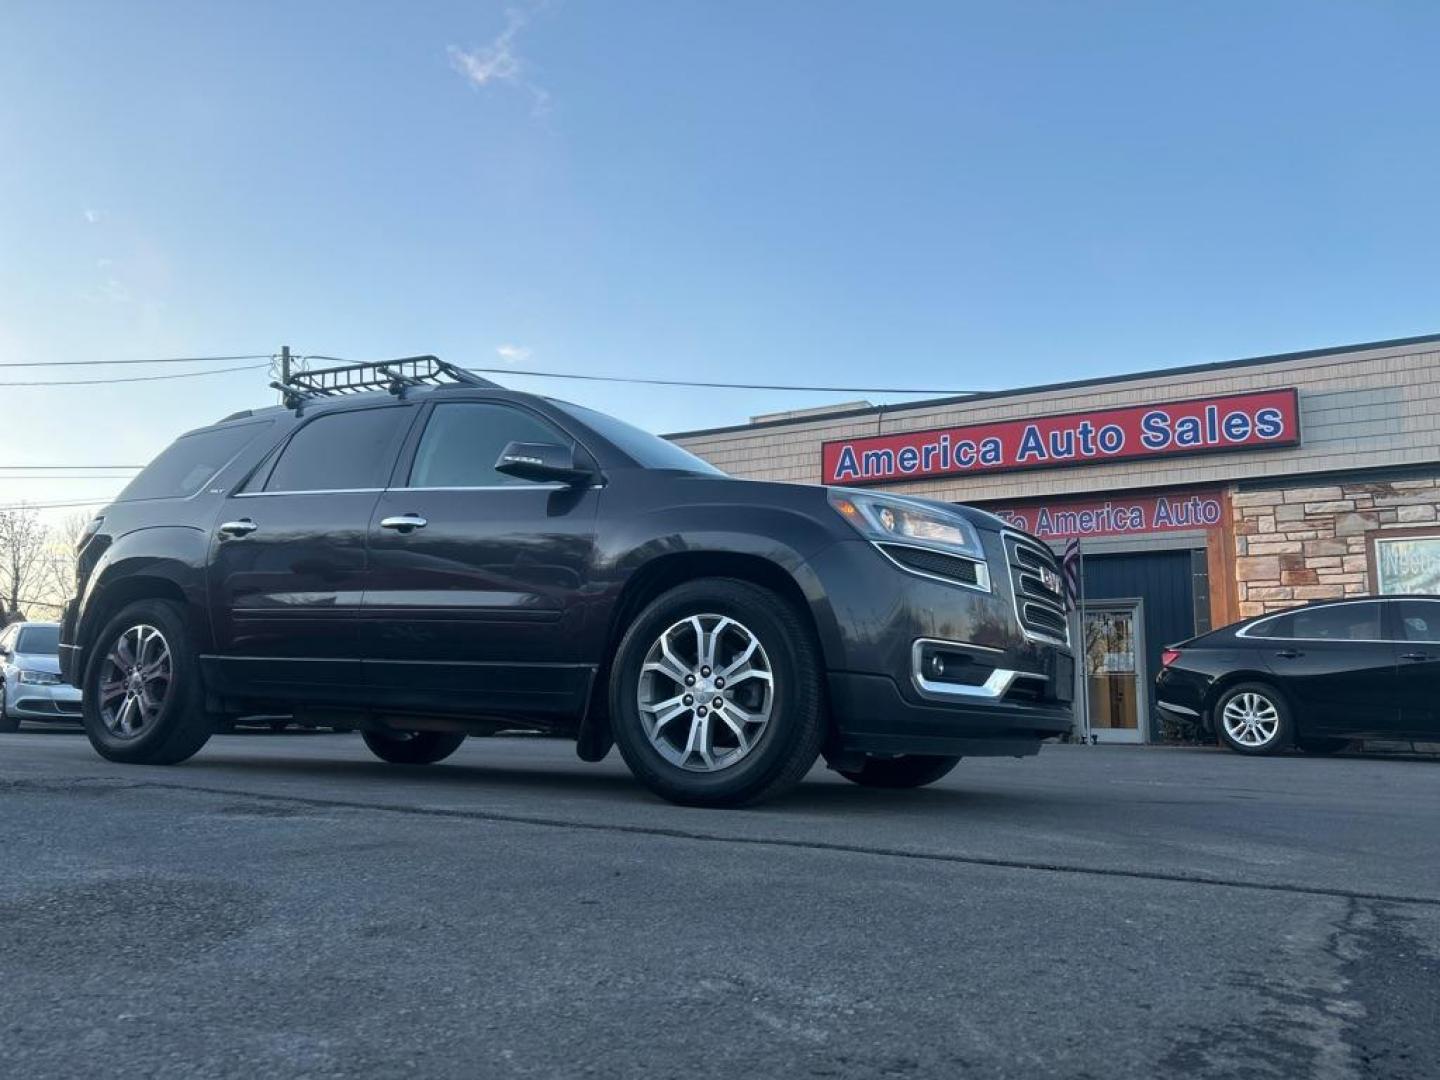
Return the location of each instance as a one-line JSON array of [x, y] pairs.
[[395, 376]]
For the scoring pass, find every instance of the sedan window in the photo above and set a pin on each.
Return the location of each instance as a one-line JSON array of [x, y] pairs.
[[1342, 622], [1420, 620]]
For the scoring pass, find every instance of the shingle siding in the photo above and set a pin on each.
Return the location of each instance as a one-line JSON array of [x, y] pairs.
[[1371, 408]]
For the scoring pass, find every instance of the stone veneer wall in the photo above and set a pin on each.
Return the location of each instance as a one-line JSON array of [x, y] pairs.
[[1309, 543]]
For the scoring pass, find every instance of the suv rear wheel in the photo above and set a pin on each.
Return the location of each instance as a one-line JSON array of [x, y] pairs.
[[715, 694], [413, 747], [143, 702]]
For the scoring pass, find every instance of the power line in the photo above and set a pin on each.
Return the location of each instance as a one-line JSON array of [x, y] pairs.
[[103, 363], [60, 505], [688, 382], [138, 378]]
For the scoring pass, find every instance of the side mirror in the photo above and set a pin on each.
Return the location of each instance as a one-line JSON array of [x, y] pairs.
[[542, 461]]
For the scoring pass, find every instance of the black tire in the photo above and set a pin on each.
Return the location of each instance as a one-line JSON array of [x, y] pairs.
[[8, 724], [905, 771], [1322, 746], [413, 747], [1262, 694], [179, 727], [789, 743]]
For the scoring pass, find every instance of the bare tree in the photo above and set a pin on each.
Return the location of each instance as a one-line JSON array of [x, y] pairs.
[[24, 544], [56, 580]]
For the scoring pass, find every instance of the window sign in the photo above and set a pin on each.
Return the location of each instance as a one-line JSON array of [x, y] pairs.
[[1408, 565]]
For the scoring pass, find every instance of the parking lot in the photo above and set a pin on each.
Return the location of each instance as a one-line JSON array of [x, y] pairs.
[[288, 904]]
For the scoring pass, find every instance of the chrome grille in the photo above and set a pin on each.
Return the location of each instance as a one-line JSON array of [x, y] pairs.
[[1039, 595]]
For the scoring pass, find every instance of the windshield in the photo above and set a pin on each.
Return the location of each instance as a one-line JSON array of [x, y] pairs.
[[649, 451], [39, 641]]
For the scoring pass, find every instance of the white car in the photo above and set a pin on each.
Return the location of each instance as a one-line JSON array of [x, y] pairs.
[[30, 683]]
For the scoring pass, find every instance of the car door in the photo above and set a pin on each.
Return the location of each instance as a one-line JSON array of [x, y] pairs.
[[480, 603], [1419, 631], [1336, 667], [288, 564]]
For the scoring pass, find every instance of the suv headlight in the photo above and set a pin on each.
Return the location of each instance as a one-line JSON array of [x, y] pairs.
[[39, 678], [888, 518]]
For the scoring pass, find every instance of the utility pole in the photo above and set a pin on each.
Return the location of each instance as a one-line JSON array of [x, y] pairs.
[[285, 359]]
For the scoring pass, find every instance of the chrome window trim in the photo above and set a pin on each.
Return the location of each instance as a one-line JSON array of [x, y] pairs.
[[315, 491], [1244, 631], [528, 486], [982, 568], [993, 688]]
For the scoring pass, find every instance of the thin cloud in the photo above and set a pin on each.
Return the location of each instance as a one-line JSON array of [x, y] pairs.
[[92, 216], [512, 354], [498, 62]]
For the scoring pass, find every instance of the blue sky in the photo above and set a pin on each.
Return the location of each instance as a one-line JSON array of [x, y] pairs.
[[946, 194]]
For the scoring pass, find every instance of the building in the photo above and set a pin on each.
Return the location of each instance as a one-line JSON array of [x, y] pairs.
[[1201, 495]]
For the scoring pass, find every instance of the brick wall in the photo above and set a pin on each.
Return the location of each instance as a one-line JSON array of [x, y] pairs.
[[1309, 543]]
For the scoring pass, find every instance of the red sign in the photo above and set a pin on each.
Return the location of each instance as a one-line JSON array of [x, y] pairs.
[[1116, 516], [1205, 425]]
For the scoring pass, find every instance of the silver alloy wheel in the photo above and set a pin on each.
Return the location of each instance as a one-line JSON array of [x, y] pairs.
[[713, 671], [134, 681], [1251, 719]]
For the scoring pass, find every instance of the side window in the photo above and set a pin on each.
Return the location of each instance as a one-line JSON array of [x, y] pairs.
[[1277, 626], [188, 463], [1420, 620], [463, 441], [1342, 622], [340, 451]]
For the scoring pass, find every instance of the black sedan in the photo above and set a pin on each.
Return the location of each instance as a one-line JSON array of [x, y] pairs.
[[1315, 676]]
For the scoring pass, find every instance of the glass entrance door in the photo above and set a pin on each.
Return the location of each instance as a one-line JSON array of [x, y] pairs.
[[1115, 687]]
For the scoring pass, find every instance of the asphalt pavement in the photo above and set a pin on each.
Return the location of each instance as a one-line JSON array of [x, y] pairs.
[[285, 905]]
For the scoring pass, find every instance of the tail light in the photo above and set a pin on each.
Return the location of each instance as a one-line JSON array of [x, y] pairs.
[[1169, 656]]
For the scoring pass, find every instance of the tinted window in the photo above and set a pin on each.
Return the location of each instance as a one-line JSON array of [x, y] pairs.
[[649, 451], [463, 441], [39, 640], [1420, 620], [190, 462], [1343, 622], [1281, 626], [340, 451]]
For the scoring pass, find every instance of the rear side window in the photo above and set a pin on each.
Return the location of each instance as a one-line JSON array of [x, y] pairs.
[[1342, 622], [1420, 620], [39, 641], [340, 451], [191, 461], [463, 441]]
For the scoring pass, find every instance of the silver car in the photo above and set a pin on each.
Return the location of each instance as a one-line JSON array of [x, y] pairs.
[[30, 683]]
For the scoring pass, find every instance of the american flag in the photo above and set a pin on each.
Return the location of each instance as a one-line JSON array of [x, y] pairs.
[[1070, 566]]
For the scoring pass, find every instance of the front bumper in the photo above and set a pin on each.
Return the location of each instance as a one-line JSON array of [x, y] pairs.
[[1011, 691], [58, 701]]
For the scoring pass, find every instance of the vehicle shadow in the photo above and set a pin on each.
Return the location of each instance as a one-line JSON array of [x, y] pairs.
[[822, 792]]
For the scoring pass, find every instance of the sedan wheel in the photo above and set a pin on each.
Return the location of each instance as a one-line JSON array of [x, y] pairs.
[[1253, 719]]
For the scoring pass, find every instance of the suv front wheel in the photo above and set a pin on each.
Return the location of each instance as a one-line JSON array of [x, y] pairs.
[[715, 694], [143, 702]]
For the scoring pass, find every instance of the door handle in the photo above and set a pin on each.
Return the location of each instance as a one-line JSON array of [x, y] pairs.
[[243, 527], [1289, 654], [1414, 656], [403, 522]]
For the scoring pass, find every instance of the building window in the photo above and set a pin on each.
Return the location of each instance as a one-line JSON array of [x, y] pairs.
[[1407, 564]]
